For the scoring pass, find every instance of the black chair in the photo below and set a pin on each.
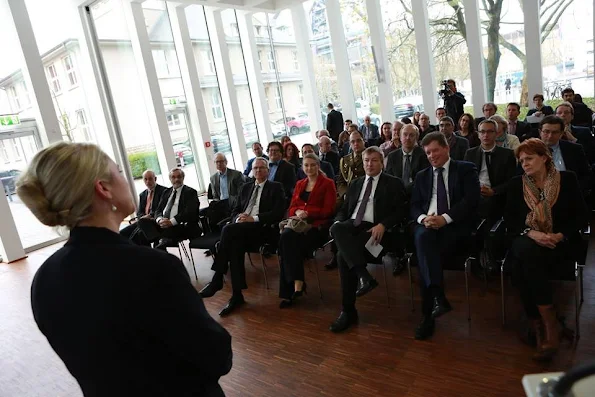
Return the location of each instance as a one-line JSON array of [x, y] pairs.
[[211, 234], [569, 270], [182, 248]]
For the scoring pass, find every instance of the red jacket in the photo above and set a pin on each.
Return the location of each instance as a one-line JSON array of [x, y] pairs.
[[321, 204]]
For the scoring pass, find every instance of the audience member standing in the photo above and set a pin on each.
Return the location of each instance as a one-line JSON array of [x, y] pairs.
[[334, 122]]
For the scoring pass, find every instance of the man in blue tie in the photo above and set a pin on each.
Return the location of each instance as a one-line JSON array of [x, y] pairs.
[[444, 207]]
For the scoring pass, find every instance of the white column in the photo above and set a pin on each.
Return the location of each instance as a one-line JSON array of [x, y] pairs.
[[305, 59], [476, 60], [424, 55], [385, 92], [196, 107], [150, 84], [343, 68], [34, 74], [254, 74], [231, 107], [11, 248], [533, 47]]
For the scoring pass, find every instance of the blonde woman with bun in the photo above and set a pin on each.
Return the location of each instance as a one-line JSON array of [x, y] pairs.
[[125, 319]]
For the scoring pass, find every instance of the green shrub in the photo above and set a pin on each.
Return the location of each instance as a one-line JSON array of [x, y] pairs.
[[375, 108], [141, 161]]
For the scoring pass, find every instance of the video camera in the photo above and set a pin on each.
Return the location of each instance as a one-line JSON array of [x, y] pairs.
[[445, 91]]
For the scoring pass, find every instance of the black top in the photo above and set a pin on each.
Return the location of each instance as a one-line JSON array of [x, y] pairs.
[[126, 321], [305, 195]]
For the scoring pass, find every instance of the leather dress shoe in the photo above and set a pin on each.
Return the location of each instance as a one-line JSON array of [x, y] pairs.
[[425, 329], [365, 286], [332, 264], [234, 302], [440, 306], [163, 243], [210, 289], [398, 268], [343, 322]]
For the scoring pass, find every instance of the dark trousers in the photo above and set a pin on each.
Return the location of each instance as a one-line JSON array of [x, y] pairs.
[[294, 249], [153, 232], [135, 234], [236, 240], [533, 266]]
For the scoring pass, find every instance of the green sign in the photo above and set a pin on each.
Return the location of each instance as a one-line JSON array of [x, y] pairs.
[[11, 119], [173, 101]]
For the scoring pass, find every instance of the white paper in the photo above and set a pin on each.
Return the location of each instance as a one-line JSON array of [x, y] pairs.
[[374, 249], [534, 119]]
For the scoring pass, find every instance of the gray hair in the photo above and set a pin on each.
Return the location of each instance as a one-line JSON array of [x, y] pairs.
[[266, 162], [410, 127], [489, 121], [374, 149], [322, 132], [498, 119], [149, 171], [177, 169], [449, 119], [324, 138]]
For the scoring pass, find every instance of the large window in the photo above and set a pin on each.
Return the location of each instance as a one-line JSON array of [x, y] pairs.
[[216, 106], [54, 79], [70, 72]]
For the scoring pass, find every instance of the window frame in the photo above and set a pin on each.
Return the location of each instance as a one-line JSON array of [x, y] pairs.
[[70, 72], [216, 105], [83, 124], [54, 78]]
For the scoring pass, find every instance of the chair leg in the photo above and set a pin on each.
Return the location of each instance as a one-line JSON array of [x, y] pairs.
[[580, 276], [193, 264], [315, 262], [264, 269], [467, 289], [386, 285], [180, 252], [250, 259], [410, 281], [503, 296], [181, 244], [576, 300]]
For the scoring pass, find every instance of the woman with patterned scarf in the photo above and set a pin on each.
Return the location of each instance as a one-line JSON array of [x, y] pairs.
[[544, 211], [503, 138]]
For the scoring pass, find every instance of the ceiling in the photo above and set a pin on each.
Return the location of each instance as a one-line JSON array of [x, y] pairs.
[[248, 5]]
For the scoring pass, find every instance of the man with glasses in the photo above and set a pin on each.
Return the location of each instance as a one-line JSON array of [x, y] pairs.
[[223, 190], [574, 133], [489, 109], [458, 145]]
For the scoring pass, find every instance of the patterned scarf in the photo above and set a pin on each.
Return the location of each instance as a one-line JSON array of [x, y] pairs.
[[540, 202], [502, 141]]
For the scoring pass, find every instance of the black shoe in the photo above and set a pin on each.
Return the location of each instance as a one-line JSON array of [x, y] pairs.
[[211, 289], [343, 322], [298, 294], [235, 301], [398, 268], [285, 303], [425, 329], [365, 286], [164, 243], [332, 263], [441, 306]]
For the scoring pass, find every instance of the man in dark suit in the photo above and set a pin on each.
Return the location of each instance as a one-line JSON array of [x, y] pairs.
[[260, 205], [408, 160], [574, 133], [373, 204], [176, 216], [232, 181], [489, 109], [325, 166], [496, 166], [257, 150], [320, 134], [515, 126], [281, 171], [567, 156], [369, 131], [583, 115], [424, 126], [334, 122], [148, 202], [458, 145], [326, 154], [443, 206]]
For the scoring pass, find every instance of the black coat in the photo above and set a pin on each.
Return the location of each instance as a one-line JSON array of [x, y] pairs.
[[575, 160], [158, 193], [394, 164], [187, 207], [458, 150], [585, 138], [271, 206], [286, 175], [332, 158], [524, 131], [126, 320], [334, 124], [389, 200]]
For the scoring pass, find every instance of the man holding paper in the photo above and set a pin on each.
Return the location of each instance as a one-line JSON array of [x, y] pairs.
[[373, 204]]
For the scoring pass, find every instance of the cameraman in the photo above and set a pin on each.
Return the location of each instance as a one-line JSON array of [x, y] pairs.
[[453, 100]]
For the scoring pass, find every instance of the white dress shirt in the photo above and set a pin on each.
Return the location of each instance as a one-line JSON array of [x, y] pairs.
[[369, 213], [484, 175], [434, 201], [256, 209], [174, 209]]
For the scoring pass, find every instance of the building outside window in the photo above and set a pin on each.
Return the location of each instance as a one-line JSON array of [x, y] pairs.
[[216, 105], [260, 60], [26, 99], [54, 79], [301, 92], [173, 120], [296, 65], [271, 61], [278, 97], [207, 57], [70, 72], [82, 124], [4, 153], [18, 156], [160, 63], [13, 94]]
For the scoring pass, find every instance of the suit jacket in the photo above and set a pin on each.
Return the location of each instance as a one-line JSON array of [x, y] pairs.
[[575, 160], [187, 207], [569, 213], [389, 200], [321, 202], [126, 320], [463, 191], [351, 167], [422, 134], [477, 121], [373, 133], [458, 150], [271, 206], [249, 164], [332, 158], [286, 175], [582, 114], [235, 180], [334, 147], [325, 167], [394, 165], [158, 192], [585, 138], [503, 166], [334, 124], [524, 131]]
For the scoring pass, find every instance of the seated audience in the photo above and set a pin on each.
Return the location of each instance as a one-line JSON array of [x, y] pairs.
[[386, 134], [280, 170], [540, 108], [326, 154], [260, 205], [517, 127], [148, 202], [125, 319], [314, 202], [489, 109], [496, 166], [582, 114], [224, 188], [405, 120], [325, 166], [321, 133], [458, 146], [373, 205], [545, 211], [503, 138], [347, 145], [407, 161], [566, 156], [257, 150], [284, 140], [440, 112], [291, 154], [395, 142], [467, 130], [574, 133], [416, 118], [344, 138], [445, 218], [424, 126], [369, 131], [176, 217]]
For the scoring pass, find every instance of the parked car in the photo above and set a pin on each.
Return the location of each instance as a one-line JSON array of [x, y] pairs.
[[278, 129], [405, 107], [296, 124], [8, 179], [183, 151]]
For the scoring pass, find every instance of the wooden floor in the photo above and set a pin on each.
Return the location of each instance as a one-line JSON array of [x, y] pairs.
[[291, 352]]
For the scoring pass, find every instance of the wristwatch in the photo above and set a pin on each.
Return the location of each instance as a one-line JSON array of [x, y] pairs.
[[526, 231]]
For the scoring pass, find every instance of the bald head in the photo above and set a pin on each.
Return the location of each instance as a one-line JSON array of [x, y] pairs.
[[397, 125], [149, 179], [324, 144], [220, 162]]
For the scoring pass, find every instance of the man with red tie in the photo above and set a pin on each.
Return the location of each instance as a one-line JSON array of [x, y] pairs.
[[148, 202]]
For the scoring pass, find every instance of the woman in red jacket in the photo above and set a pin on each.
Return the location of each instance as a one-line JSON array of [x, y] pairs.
[[314, 200]]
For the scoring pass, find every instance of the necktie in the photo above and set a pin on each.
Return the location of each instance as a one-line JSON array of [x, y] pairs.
[[273, 164], [323, 157], [362, 207], [488, 160], [442, 198], [149, 202], [252, 201], [170, 204], [407, 170]]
